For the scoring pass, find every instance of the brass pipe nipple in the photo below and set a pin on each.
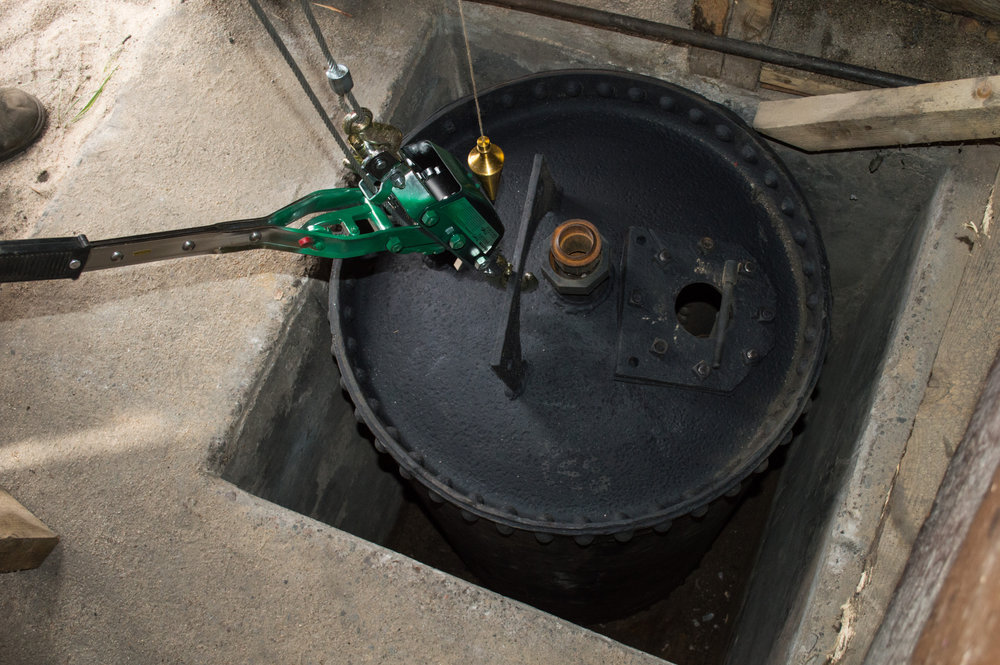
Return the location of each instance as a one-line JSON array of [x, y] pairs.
[[486, 161]]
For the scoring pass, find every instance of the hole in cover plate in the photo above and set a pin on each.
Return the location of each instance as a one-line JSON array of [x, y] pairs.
[[697, 308]]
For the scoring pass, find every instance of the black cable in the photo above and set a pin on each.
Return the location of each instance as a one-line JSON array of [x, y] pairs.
[[662, 32], [290, 61], [330, 62]]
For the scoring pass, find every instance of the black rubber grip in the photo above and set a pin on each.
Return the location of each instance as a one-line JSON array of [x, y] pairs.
[[43, 258]]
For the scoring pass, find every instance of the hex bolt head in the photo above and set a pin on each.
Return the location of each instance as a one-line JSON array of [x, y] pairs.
[[456, 241], [659, 346], [430, 218], [748, 267], [663, 256], [765, 314], [635, 297], [706, 244], [702, 370], [751, 356], [395, 245]]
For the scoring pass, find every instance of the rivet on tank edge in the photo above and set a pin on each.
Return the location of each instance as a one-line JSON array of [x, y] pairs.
[[343, 383], [785, 441], [762, 467], [503, 529], [667, 103], [357, 415], [809, 268], [810, 334], [699, 512], [379, 446], [800, 237], [788, 207], [697, 116], [374, 405], [724, 133], [446, 481], [663, 527], [749, 154], [351, 344], [624, 536], [584, 539], [478, 500], [812, 300], [404, 474], [604, 89], [803, 368], [540, 91], [510, 510], [393, 432], [468, 517], [573, 88], [435, 497], [771, 179], [734, 490], [636, 94], [417, 458], [544, 538]]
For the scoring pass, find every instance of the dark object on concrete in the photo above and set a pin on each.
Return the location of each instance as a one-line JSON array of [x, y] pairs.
[[591, 495], [22, 119], [663, 32], [24, 540]]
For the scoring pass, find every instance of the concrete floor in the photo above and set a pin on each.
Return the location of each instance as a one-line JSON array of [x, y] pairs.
[[119, 390]]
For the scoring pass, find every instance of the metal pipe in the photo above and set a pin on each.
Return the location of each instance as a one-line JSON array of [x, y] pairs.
[[661, 32]]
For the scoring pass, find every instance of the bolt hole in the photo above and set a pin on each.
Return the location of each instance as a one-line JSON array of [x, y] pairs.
[[640, 240], [633, 361], [697, 308]]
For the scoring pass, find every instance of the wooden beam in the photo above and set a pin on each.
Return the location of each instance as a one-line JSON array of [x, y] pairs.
[[24, 540], [707, 16], [795, 83], [965, 624], [988, 9], [751, 21], [963, 110], [926, 582]]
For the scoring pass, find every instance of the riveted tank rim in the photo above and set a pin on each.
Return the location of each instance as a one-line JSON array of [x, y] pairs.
[[815, 336]]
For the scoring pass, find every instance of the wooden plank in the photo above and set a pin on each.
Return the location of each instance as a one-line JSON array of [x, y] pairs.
[[961, 110], [957, 380], [751, 21], [966, 483], [787, 80], [988, 9], [24, 540], [707, 16], [965, 624], [968, 475]]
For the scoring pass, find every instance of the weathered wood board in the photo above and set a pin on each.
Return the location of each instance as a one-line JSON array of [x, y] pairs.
[[962, 110], [24, 540]]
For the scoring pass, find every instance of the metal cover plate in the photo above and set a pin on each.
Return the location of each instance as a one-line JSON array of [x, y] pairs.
[[654, 345]]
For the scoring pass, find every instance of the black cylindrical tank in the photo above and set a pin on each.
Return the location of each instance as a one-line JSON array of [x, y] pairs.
[[647, 402]]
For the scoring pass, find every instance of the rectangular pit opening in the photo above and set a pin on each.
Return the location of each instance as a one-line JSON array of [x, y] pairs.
[[300, 445]]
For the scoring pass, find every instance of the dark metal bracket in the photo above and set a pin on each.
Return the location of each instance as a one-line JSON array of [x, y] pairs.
[[507, 359]]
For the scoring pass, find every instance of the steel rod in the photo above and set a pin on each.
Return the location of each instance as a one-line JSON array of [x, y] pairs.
[[662, 32]]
